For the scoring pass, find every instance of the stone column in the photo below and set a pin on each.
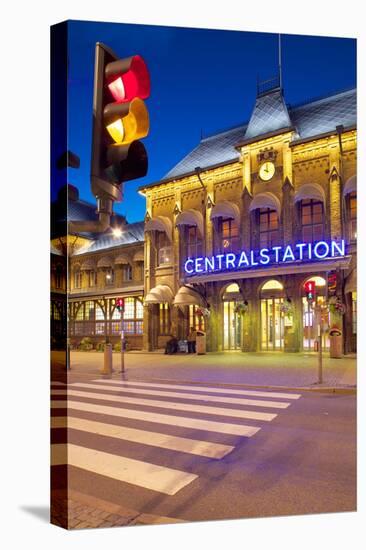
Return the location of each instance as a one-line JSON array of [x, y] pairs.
[[287, 213], [335, 192]]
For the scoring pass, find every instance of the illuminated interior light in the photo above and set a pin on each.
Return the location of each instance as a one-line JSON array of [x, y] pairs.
[[116, 130], [117, 89]]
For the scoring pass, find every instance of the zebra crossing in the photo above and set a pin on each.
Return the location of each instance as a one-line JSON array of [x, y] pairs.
[[179, 419]]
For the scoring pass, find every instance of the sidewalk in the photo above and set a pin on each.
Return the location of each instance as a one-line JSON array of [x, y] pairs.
[[270, 370]]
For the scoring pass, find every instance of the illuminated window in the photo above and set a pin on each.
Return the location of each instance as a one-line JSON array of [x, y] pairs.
[[164, 319], [352, 215], [91, 278], [272, 285], [234, 287], [164, 249], [89, 311], [129, 308], [228, 235], [109, 277], [268, 228], [312, 220], [319, 281], [79, 312], [99, 313]]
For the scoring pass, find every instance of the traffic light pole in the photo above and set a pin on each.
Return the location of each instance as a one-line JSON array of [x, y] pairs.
[[318, 311]]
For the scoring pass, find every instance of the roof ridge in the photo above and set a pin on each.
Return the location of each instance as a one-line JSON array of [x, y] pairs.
[[320, 98]]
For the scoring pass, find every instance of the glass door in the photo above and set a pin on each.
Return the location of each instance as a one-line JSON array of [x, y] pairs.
[[272, 324], [232, 327]]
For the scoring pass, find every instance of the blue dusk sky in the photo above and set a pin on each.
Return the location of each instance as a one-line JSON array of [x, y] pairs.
[[202, 81]]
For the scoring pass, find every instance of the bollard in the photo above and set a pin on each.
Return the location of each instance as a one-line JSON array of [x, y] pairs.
[[107, 367]]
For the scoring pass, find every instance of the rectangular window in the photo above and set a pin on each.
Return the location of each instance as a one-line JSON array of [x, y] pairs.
[[228, 235], [193, 243], [126, 272], [164, 249], [109, 277], [77, 279], [352, 212], [91, 278], [268, 228], [312, 220]]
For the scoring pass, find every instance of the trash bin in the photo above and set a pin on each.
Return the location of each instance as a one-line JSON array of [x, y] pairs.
[[335, 341], [201, 342]]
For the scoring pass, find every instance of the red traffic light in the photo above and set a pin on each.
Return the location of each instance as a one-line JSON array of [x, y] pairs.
[[309, 287], [128, 78], [120, 304]]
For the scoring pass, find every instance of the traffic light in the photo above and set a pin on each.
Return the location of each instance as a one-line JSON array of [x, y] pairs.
[[120, 120], [310, 291], [120, 304]]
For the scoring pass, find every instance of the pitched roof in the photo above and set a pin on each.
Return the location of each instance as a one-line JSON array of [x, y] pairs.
[[311, 119], [132, 233], [269, 114]]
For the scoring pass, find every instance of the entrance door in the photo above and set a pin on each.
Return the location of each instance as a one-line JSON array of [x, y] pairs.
[[272, 324], [232, 327]]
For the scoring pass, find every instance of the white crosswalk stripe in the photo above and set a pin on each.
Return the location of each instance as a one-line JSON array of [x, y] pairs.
[[201, 389], [191, 396], [108, 405]]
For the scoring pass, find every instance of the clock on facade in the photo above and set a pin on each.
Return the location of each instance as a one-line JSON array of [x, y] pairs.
[[267, 170]]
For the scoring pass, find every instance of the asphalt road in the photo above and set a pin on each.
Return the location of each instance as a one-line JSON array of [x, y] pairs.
[[301, 461]]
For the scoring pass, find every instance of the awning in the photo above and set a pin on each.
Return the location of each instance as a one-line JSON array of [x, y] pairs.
[[226, 209], [187, 296], [159, 295], [87, 265], [160, 223], [310, 191], [139, 256], [351, 282], [122, 259], [191, 217], [266, 200], [104, 262], [350, 186]]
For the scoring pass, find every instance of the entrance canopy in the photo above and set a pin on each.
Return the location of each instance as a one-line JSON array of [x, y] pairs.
[[187, 296], [191, 217], [160, 223], [226, 209], [87, 265], [104, 262], [159, 295]]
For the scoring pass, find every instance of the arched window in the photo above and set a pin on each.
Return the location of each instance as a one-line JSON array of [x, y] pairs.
[[228, 234], [273, 284], [268, 227], [312, 220]]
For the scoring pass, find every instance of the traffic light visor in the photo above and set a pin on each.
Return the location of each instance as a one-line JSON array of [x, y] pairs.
[[128, 79], [127, 125]]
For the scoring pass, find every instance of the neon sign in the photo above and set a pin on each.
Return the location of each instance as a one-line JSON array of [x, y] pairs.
[[319, 250]]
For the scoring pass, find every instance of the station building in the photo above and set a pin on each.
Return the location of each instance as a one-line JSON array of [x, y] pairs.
[[234, 231], [230, 237]]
